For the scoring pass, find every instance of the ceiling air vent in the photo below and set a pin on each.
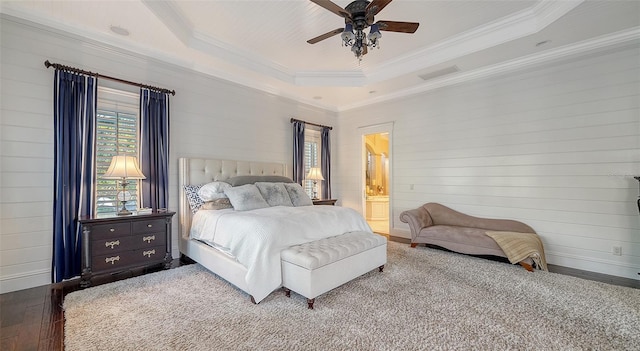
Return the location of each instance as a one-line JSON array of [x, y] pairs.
[[439, 73]]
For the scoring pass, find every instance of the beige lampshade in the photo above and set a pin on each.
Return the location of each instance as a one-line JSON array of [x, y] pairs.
[[123, 167], [314, 174]]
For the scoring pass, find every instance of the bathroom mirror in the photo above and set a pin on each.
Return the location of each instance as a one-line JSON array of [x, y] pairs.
[[377, 164]]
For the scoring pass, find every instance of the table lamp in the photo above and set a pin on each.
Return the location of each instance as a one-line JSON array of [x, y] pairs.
[[123, 167], [315, 174]]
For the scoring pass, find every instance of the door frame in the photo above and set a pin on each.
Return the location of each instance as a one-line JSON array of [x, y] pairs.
[[376, 129]]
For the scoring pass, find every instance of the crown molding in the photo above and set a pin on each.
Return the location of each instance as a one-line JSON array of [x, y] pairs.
[[169, 14], [331, 78], [99, 41], [123, 48], [511, 27], [548, 11], [241, 58], [520, 24], [517, 25], [580, 48]]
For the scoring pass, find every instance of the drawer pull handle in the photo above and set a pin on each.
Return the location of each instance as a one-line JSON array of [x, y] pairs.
[[148, 253], [112, 260], [149, 238], [112, 243], [112, 230], [149, 225]]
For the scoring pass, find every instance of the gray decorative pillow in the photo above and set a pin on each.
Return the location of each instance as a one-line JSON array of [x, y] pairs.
[[217, 204], [212, 191], [251, 179], [275, 193], [195, 202], [297, 194], [246, 197]]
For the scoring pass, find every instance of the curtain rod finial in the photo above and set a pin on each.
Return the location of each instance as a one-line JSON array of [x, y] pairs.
[[47, 63]]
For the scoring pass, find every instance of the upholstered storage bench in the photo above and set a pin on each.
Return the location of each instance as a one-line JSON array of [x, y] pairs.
[[313, 268]]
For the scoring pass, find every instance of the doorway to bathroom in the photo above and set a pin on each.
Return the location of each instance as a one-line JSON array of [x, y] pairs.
[[377, 182]]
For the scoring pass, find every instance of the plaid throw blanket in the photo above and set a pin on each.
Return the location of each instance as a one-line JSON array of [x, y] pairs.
[[519, 246]]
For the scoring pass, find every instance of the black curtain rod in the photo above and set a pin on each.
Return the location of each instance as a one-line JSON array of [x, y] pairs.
[[98, 75], [313, 124]]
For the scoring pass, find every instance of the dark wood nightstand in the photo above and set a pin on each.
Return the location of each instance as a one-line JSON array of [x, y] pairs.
[[112, 244], [331, 202]]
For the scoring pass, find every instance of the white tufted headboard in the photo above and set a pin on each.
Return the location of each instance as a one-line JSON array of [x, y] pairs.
[[202, 171]]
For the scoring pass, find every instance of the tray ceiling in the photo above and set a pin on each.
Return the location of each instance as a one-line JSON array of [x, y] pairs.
[[262, 44]]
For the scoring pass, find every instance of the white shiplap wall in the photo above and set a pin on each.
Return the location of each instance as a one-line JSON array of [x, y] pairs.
[[553, 146], [209, 118]]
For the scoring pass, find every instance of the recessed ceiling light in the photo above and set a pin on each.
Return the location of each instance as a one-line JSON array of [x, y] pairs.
[[541, 43], [317, 97], [119, 30]]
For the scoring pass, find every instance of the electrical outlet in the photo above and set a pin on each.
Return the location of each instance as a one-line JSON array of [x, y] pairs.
[[616, 250]]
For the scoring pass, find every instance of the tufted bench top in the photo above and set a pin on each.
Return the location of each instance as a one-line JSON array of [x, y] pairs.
[[322, 252]]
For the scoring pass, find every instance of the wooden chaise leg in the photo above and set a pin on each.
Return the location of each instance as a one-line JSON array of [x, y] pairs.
[[414, 244], [526, 266], [381, 268], [287, 292], [253, 301], [310, 303]]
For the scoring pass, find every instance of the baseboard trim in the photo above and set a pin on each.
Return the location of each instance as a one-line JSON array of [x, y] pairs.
[[600, 277], [574, 272], [27, 280]]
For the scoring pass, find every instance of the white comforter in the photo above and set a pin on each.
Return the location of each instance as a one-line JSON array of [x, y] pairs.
[[256, 237]]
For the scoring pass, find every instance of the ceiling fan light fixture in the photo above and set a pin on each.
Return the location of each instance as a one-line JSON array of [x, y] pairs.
[[374, 33], [374, 36], [347, 34]]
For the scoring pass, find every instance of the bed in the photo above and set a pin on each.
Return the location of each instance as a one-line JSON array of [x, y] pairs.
[[258, 276]]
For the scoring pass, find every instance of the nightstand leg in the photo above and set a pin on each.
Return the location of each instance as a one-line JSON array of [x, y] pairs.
[[85, 279], [167, 261], [85, 275]]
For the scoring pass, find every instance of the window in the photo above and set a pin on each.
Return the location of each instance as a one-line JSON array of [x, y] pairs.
[[312, 149], [117, 127]]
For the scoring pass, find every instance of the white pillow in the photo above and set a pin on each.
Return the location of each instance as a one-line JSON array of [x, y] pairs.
[[246, 197], [213, 191], [298, 196], [275, 193]]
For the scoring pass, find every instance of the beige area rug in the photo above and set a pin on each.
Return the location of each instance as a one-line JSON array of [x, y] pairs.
[[424, 300]]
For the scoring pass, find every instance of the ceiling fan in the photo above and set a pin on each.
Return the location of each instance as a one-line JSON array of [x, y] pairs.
[[359, 15]]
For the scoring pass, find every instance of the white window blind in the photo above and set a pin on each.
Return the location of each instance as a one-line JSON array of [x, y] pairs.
[[117, 126], [312, 150]]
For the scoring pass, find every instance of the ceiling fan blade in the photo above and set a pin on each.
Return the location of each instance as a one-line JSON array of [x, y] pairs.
[[402, 27], [333, 8], [325, 35], [376, 6]]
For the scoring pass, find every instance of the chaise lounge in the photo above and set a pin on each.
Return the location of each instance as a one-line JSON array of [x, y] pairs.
[[435, 224]]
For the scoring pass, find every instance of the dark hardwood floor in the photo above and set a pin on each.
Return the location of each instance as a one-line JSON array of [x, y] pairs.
[[33, 319]]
